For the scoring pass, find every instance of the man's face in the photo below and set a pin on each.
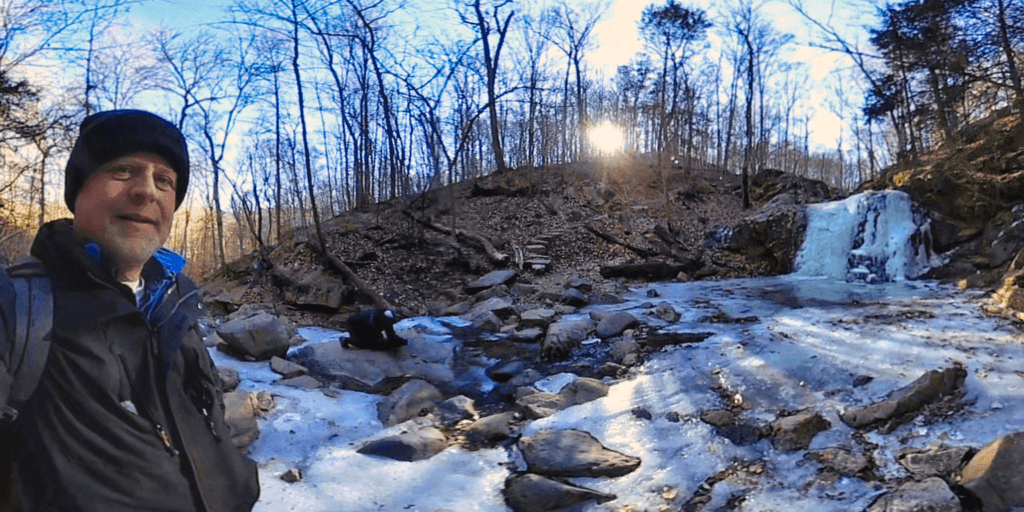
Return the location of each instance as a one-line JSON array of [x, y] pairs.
[[127, 207]]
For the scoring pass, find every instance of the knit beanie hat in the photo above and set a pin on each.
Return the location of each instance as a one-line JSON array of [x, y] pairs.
[[109, 135]]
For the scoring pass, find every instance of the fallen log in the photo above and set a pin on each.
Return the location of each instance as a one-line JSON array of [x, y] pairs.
[[612, 239], [492, 253], [649, 271]]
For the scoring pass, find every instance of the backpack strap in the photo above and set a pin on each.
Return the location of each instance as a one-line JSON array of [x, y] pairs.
[[33, 325]]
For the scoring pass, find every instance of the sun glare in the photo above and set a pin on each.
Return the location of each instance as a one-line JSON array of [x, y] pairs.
[[606, 137]]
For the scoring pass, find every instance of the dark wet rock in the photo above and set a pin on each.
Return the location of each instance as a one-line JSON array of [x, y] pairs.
[[840, 461], [495, 278], [994, 477], [530, 335], [286, 368], [1003, 249], [419, 444], [622, 348], [659, 340], [583, 390], [229, 378], [458, 309], [741, 434], [548, 295], [615, 323], [666, 312], [580, 284], [540, 405], [564, 336], [527, 492], [485, 321], [316, 290], [291, 476], [792, 433], [641, 413], [940, 462], [497, 305], [505, 372], [907, 402], [497, 292], [673, 416], [541, 318], [768, 240], [783, 187], [302, 381], [491, 429], [652, 293], [523, 290], [573, 453], [931, 495], [573, 297], [456, 409], [652, 271], [718, 417], [415, 398], [606, 298], [260, 336], [610, 369]]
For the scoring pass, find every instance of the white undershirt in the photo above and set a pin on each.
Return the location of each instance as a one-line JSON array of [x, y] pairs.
[[137, 286]]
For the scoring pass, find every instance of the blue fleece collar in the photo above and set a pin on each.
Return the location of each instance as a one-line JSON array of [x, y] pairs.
[[156, 286]]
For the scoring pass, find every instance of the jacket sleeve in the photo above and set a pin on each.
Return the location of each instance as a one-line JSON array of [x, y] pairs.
[[7, 313]]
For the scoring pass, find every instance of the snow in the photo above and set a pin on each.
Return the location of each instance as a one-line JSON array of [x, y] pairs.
[[814, 334], [813, 337]]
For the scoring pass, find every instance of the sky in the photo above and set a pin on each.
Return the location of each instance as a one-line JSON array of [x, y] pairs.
[[812, 339], [618, 41]]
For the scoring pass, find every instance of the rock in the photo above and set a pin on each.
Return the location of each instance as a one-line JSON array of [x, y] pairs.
[[356, 369], [261, 336], [666, 312], [906, 402], [456, 409], [564, 336], [314, 289], [548, 295], [994, 477], [573, 453], [494, 278], [940, 462], [659, 340], [580, 284], [504, 372], [497, 305], [524, 290], [792, 433], [741, 434], [641, 413], [302, 381], [457, 309], [840, 461], [491, 428], [769, 239], [623, 347], [486, 321], [229, 379], [606, 298], [613, 324], [212, 340], [420, 444], [540, 405], [718, 417], [291, 476], [541, 318], [531, 335], [769, 184], [573, 297], [240, 414], [497, 292], [583, 390], [413, 399], [527, 492], [931, 495], [286, 368], [656, 271]]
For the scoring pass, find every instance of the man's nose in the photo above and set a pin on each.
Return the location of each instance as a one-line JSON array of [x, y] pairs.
[[143, 185]]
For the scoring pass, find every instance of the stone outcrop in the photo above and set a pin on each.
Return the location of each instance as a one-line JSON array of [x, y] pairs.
[[259, 336], [773, 185], [573, 453], [767, 241], [905, 403]]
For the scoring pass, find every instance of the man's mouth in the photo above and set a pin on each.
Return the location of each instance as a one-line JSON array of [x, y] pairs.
[[136, 218]]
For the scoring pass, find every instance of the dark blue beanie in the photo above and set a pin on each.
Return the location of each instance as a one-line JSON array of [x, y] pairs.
[[106, 136]]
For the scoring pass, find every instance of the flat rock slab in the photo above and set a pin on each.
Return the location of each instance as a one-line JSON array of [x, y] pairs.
[[420, 444], [906, 402], [426, 357], [615, 323], [494, 278], [931, 495], [994, 474], [527, 492], [792, 433], [286, 368], [573, 453]]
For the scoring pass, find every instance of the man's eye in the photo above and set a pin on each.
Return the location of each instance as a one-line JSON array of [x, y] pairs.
[[121, 173], [165, 183]]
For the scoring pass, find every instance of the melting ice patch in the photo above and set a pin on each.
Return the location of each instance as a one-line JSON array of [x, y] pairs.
[[874, 236]]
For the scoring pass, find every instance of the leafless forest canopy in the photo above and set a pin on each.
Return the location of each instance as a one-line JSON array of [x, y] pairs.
[[297, 110]]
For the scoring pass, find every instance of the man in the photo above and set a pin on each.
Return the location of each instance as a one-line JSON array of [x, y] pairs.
[[128, 414], [373, 329]]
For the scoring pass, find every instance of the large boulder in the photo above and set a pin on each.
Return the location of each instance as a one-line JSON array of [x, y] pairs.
[[564, 336], [415, 398], [420, 444], [316, 290], [573, 453], [260, 336], [907, 402], [993, 475], [526, 492], [773, 185], [768, 241]]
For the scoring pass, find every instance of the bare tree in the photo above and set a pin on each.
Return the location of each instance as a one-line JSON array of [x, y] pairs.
[[486, 28]]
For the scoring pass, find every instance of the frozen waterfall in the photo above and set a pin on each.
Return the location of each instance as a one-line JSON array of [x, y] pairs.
[[873, 236]]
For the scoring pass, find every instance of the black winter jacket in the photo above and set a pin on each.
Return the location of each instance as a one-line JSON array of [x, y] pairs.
[[129, 414]]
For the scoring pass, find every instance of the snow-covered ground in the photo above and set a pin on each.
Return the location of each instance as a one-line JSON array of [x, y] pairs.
[[813, 337]]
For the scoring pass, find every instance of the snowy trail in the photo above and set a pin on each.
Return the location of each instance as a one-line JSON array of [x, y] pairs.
[[812, 338]]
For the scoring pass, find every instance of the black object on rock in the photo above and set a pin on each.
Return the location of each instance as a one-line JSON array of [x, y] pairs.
[[373, 329]]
